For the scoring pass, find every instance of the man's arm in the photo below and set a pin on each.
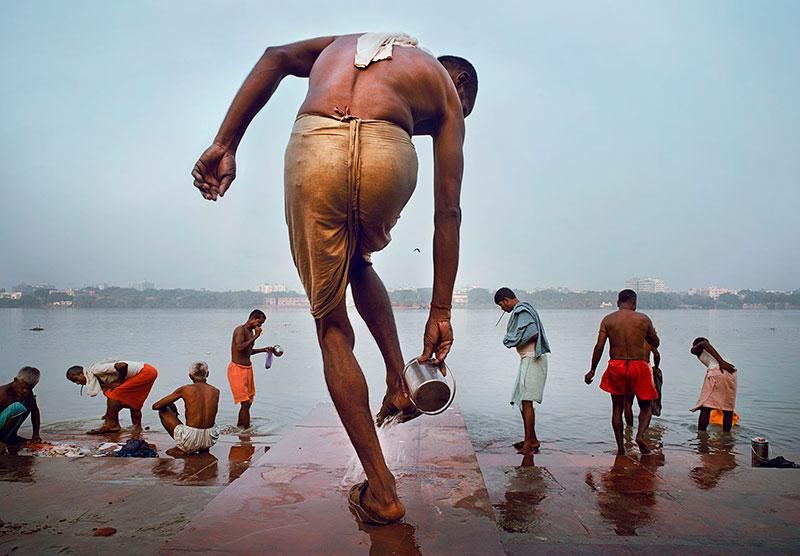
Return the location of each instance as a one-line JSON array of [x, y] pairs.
[[122, 370], [597, 352], [216, 168], [36, 419], [651, 336], [724, 365], [656, 358], [244, 342], [448, 158], [172, 398]]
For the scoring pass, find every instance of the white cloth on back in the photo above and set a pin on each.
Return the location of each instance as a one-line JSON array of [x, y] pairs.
[[103, 372], [373, 47]]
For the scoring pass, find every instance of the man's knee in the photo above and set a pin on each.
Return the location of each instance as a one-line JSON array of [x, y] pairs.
[[335, 325]]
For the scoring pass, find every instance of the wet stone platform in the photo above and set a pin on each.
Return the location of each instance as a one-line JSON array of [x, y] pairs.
[[294, 499], [53, 505]]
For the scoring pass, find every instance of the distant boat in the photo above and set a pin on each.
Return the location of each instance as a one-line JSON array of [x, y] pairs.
[[36, 329]]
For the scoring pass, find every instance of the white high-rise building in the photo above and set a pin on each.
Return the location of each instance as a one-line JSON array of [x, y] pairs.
[[646, 285], [270, 288]]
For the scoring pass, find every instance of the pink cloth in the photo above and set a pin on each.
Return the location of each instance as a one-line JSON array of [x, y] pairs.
[[719, 390]]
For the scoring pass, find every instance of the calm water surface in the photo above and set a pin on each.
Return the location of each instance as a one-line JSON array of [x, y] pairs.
[[573, 417]]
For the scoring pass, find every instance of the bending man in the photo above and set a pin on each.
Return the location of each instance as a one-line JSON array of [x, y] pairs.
[[16, 403], [350, 168], [124, 383]]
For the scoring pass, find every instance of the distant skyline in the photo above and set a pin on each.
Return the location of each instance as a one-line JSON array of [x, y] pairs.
[[609, 140]]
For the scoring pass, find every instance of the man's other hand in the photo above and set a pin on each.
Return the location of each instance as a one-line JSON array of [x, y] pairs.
[[437, 341], [588, 377], [214, 171]]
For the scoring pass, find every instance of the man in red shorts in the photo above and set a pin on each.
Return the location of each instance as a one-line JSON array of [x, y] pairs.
[[628, 372]]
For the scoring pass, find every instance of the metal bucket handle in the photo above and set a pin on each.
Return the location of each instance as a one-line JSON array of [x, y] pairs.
[[452, 389]]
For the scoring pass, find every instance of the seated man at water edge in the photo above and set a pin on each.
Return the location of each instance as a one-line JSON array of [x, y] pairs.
[[719, 385], [628, 371], [240, 369], [350, 168], [658, 380], [201, 401], [126, 384], [16, 403], [525, 333]]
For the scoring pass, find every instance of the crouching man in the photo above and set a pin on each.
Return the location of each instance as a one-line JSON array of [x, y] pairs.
[[16, 403], [200, 400]]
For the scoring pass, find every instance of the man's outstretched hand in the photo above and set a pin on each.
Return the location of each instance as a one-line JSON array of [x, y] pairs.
[[437, 341], [214, 171]]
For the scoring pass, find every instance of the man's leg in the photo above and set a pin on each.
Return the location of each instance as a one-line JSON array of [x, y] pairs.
[[531, 443], [617, 407], [645, 411], [373, 304], [628, 410], [702, 421], [727, 421], [136, 419], [244, 415], [110, 419], [348, 391], [169, 418], [12, 418]]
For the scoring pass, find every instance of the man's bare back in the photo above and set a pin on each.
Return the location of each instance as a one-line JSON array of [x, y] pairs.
[[409, 90], [201, 401], [628, 334]]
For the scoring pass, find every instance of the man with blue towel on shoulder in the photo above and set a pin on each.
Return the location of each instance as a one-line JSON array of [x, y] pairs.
[[525, 333]]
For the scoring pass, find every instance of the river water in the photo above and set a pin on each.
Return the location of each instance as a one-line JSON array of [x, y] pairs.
[[574, 417]]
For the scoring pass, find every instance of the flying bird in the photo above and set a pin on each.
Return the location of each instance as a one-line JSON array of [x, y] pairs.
[[416, 250]]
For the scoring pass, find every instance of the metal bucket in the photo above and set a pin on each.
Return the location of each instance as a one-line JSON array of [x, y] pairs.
[[760, 451], [428, 388]]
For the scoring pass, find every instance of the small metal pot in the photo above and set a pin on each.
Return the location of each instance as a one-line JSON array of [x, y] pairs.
[[428, 388], [760, 451]]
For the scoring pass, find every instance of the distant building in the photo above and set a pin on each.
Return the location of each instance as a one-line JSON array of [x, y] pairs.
[[646, 285], [297, 301], [714, 292], [10, 295], [271, 288], [143, 286], [460, 297]]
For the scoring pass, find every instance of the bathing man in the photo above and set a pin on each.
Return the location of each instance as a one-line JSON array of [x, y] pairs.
[[628, 371], [200, 400], [124, 383], [16, 403], [526, 333], [240, 369], [350, 168]]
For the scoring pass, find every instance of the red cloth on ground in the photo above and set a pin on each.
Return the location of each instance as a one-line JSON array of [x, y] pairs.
[[632, 376], [134, 391]]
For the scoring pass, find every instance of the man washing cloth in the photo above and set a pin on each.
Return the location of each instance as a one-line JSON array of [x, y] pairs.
[[350, 168], [525, 333], [17, 401]]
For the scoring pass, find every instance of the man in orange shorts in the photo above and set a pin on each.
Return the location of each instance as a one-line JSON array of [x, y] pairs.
[[124, 383], [628, 372], [240, 370]]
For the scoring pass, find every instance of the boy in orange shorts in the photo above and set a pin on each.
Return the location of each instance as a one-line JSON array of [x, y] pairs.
[[240, 369], [628, 372]]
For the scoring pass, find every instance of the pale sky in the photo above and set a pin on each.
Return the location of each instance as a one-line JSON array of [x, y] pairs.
[[609, 140]]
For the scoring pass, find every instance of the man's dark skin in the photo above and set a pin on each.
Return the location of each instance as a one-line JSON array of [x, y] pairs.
[[415, 91], [627, 331], [201, 401], [17, 391], [244, 337]]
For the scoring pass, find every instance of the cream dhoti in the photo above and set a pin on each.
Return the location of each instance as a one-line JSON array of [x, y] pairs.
[[190, 439], [346, 181]]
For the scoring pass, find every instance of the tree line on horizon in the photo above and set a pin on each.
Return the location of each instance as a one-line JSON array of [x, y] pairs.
[[130, 298]]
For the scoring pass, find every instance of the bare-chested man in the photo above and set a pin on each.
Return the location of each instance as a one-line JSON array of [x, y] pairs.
[[16, 403], [240, 369], [201, 401], [628, 371], [350, 168]]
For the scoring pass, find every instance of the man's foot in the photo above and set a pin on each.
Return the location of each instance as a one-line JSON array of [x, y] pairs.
[[643, 447], [397, 406], [620, 450], [3, 449], [529, 447], [369, 511], [136, 430], [105, 429], [176, 452]]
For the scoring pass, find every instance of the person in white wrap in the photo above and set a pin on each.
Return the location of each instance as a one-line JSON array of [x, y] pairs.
[[201, 401]]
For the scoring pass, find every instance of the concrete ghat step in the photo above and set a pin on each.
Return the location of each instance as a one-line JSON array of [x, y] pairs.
[[294, 499]]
